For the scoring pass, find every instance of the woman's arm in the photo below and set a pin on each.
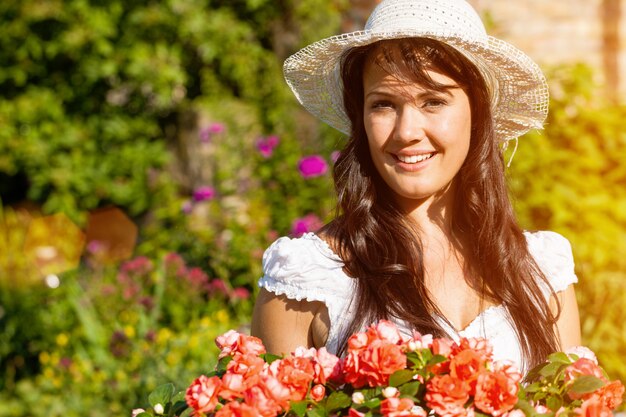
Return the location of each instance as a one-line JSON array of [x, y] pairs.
[[568, 324], [284, 324]]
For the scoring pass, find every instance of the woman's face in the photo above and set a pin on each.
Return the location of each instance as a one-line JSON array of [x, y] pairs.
[[418, 137]]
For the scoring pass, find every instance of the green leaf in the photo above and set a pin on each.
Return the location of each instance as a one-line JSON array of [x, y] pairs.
[[299, 407], [161, 395], [373, 403], [186, 413], [269, 357], [400, 377], [144, 415], [554, 403], [410, 388], [338, 400], [437, 359], [559, 357], [317, 412], [223, 364], [550, 369], [586, 384]]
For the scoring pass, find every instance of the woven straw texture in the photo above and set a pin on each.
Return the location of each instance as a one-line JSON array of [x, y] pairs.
[[518, 89]]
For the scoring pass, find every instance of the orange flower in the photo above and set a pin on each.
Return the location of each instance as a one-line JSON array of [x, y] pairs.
[[237, 409], [447, 395], [373, 364], [496, 392], [296, 373], [233, 342], [593, 408], [611, 394], [467, 365], [202, 394], [400, 407]]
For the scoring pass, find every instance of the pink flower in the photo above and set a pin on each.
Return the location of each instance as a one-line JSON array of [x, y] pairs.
[[218, 286], [400, 407], [266, 145], [312, 166], [241, 293], [325, 365], [202, 394], [582, 352], [187, 207], [233, 342], [447, 395], [514, 413], [302, 225], [206, 133], [203, 193]]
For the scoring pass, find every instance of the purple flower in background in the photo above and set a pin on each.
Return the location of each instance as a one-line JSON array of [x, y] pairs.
[[302, 225], [312, 166], [187, 207], [266, 145], [207, 132], [334, 156], [203, 193]]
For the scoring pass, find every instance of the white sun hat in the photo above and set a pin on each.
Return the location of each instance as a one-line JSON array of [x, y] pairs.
[[518, 89]]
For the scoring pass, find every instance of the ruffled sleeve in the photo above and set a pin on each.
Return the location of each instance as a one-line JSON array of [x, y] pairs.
[[306, 268], [553, 254]]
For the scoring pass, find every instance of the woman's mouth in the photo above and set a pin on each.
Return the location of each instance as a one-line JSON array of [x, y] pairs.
[[414, 159]]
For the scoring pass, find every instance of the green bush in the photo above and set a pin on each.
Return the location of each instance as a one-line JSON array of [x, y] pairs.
[[570, 178]]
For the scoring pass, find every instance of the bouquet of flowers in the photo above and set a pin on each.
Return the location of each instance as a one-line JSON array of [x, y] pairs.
[[386, 374]]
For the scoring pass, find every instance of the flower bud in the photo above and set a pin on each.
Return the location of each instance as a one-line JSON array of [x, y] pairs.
[[158, 408], [137, 411], [390, 392], [358, 398]]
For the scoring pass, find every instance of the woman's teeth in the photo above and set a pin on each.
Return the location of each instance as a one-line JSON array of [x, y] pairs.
[[413, 159]]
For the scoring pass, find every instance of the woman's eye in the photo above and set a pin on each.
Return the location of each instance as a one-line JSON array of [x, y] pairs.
[[382, 104], [434, 102]]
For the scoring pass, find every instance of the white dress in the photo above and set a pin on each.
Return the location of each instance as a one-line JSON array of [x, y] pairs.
[[307, 268]]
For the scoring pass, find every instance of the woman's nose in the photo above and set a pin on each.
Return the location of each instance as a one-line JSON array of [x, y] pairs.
[[410, 124]]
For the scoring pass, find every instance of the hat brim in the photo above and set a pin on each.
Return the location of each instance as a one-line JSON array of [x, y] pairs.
[[518, 88]]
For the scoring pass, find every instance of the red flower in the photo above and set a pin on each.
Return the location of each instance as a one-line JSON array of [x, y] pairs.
[[447, 395], [202, 394], [496, 392], [400, 407]]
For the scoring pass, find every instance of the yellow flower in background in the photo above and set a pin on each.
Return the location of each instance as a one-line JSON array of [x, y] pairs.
[[62, 339], [129, 331], [222, 316], [44, 358]]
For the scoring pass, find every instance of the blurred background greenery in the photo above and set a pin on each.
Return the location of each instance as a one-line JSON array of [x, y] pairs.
[[150, 152]]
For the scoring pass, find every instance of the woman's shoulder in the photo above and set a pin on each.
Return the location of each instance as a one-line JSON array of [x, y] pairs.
[[553, 254], [303, 268]]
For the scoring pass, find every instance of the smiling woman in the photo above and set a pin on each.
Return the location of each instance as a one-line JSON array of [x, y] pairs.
[[425, 234]]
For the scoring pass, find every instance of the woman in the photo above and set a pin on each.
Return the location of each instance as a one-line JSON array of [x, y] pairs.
[[425, 234]]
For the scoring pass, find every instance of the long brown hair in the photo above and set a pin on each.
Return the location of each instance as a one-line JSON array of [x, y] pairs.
[[381, 247]]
